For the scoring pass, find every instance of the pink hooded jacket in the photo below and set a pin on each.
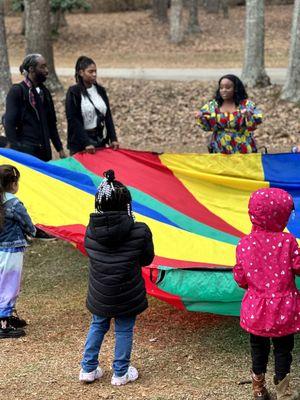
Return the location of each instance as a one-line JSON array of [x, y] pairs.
[[267, 261]]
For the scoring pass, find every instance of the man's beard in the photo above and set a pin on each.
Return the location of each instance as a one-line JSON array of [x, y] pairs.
[[40, 78]]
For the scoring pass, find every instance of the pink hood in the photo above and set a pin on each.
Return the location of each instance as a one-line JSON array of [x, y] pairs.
[[270, 209], [267, 262]]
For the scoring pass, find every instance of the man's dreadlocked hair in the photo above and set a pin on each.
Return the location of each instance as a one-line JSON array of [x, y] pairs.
[[8, 175], [31, 60], [81, 64], [112, 195]]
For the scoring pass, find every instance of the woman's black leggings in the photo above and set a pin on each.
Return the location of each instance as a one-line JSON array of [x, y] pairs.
[[282, 348]]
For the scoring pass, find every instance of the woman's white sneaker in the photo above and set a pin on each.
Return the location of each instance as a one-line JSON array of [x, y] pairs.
[[90, 377], [130, 376]]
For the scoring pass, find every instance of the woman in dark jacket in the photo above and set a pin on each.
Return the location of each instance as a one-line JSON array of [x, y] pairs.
[[117, 248], [90, 123]]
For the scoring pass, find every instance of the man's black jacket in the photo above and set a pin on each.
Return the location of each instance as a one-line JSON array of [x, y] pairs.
[[29, 128]]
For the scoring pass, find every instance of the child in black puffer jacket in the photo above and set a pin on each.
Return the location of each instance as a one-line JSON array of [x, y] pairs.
[[117, 248]]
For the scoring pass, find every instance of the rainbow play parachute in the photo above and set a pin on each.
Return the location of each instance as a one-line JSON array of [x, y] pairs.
[[195, 205]]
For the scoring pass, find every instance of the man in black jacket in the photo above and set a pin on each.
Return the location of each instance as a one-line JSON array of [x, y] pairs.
[[30, 119]]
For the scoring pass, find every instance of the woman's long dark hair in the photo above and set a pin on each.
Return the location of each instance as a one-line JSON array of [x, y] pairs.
[[82, 63], [238, 87], [8, 175]]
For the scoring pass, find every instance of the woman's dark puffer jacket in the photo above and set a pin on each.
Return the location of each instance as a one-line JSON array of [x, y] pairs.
[[117, 248]]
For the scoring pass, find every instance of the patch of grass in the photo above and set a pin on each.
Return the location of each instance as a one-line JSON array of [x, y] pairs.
[[194, 356]]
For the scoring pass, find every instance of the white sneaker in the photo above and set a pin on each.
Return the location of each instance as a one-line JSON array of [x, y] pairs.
[[89, 377], [130, 376]]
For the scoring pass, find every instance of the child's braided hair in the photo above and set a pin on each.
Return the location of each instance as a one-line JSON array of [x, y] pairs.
[[112, 195]]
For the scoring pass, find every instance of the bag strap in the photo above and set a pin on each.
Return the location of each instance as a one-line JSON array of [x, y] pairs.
[[98, 112]]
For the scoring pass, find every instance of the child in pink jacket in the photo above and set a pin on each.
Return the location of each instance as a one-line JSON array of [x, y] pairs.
[[267, 261]]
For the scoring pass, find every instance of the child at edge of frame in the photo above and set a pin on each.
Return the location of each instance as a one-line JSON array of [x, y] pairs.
[[117, 247], [15, 226], [267, 261]]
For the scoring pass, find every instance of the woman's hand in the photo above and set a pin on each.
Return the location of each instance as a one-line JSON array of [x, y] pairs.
[[90, 149], [246, 113], [198, 114], [62, 154], [115, 145]]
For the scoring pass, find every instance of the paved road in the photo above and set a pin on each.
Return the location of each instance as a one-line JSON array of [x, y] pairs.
[[277, 75]]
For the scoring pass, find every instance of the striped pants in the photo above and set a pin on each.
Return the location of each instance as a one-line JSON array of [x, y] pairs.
[[11, 263]]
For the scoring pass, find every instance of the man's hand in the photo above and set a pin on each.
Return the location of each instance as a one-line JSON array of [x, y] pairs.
[[90, 149], [115, 145], [62, 154]]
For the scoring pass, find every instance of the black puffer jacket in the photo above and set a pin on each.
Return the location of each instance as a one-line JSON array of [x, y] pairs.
[[117, 248]]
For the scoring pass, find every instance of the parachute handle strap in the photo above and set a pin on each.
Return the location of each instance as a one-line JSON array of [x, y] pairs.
[[160, 278]]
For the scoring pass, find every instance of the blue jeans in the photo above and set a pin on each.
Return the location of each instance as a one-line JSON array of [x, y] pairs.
[[123, 343]]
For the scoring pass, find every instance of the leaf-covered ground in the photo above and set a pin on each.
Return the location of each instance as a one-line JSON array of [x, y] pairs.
[[134, 39], [180, 355], [159, 115]]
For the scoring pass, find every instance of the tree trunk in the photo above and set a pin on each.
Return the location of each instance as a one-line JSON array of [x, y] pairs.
[[160, 10], [291, 88], [57, 20], [193, 24], [54, 21], [38, 37], [23, 22], [63, 20], [254, 73], [212, 6], [176, 31], [5, 76], [225, 8]]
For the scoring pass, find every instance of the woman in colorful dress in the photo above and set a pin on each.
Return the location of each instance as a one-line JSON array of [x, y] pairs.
[[231, 117]]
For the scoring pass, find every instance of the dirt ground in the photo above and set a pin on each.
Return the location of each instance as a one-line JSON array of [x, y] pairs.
[[134, 39], [180, 355]]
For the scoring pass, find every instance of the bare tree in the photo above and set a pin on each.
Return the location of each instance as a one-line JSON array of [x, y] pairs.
[[212, 6], [38, 36], [225, 8], [291, 88], [176, 31], [5, 76], [254, 73], [193, 24], [160, 10]]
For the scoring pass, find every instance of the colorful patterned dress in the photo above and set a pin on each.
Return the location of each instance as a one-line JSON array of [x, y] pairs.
[[231, 132]]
